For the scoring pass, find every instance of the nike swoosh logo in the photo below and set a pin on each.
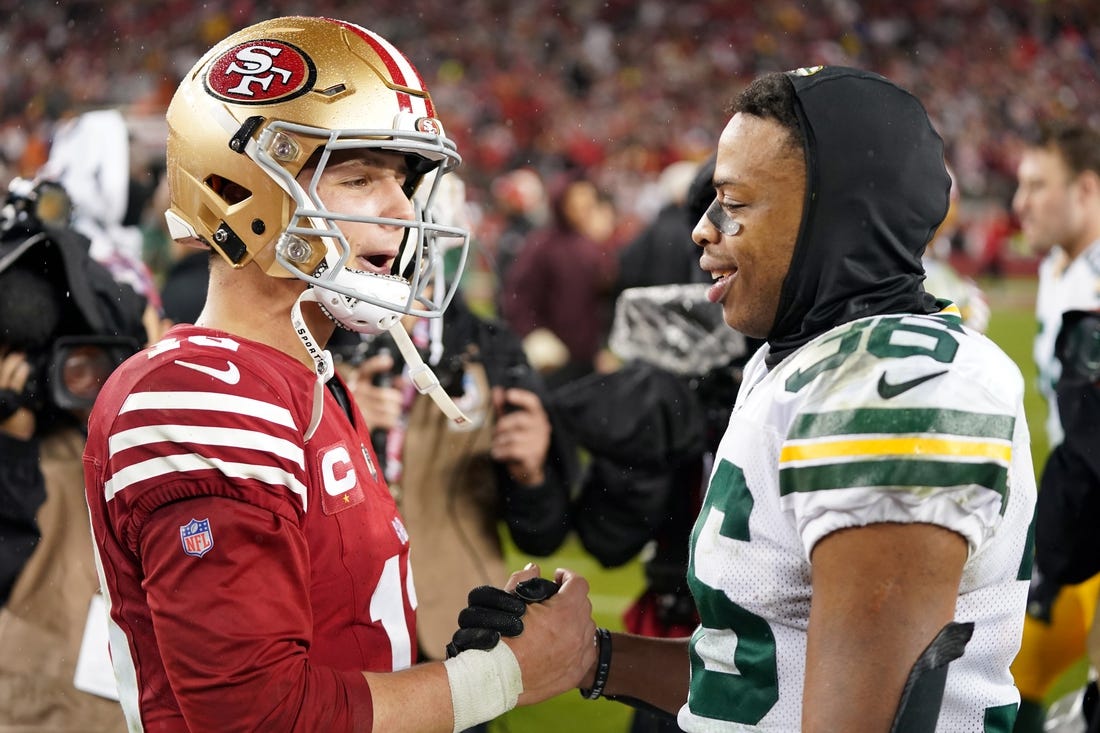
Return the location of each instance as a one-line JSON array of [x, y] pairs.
[[887, 390], [230, 375]]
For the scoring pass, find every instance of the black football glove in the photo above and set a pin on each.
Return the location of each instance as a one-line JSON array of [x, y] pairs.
[[493, 612]]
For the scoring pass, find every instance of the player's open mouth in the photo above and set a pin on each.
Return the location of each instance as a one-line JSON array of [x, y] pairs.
[[379, 264]]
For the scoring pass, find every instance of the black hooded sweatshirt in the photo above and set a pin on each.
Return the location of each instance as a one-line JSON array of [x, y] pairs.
[[876, 191]]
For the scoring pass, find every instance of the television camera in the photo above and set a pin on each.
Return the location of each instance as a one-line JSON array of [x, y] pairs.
[[61, 309]]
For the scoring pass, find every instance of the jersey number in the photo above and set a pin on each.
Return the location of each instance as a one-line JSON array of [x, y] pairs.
[[889, 338], [387, 605], [748, 693]]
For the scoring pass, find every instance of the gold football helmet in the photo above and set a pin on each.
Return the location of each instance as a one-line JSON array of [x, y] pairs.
[[261, 104]]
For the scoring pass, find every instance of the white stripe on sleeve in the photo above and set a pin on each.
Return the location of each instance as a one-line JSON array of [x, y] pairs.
[[206, 435], [183, 463], [216, 401]]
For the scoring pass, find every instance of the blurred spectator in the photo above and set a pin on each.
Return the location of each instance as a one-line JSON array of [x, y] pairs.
[[611, 86], [90, 158], [1058, 204], [64, 325], [559, 285], [663, 252], [520, 197], [602, 224], [944, 281]]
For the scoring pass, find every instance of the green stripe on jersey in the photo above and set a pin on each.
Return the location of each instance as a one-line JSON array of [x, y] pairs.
[[1000, 719], [949, 312], [884, 420], [892, 472]]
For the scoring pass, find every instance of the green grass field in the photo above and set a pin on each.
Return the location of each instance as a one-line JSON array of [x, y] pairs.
[[1012, 327]]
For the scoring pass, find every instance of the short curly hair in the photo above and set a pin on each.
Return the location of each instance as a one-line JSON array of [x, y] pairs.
[[772, 97]]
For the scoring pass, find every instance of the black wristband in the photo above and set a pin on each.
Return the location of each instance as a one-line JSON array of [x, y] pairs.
[[603, 666]]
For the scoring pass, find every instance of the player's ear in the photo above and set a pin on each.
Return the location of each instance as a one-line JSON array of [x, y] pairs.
[[1089, 181]]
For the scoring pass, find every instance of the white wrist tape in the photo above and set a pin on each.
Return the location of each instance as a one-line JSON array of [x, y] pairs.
[[484, 685]]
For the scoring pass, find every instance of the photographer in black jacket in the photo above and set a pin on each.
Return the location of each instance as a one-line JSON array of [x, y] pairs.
[[651, 429], [65, 324], [506, 471]]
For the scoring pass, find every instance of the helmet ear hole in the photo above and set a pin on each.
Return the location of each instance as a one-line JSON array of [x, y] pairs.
[[229, 191]]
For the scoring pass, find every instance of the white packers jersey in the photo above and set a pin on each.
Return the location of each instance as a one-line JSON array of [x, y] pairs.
[[1063, 286], [886, 419]]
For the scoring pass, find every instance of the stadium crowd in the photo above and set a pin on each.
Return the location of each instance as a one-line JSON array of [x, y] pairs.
[[546, 98], [614, 88]]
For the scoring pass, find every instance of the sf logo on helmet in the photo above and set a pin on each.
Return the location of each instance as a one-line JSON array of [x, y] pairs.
[[260, 72], [255, 66]]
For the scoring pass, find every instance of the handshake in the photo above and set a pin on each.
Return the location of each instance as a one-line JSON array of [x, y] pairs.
[[523, 644], [494, 612]]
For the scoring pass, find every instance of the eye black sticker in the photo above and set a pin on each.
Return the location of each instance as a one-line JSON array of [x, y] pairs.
[[721, 219]]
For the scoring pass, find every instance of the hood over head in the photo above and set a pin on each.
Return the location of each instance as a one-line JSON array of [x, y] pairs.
[[876, 191]]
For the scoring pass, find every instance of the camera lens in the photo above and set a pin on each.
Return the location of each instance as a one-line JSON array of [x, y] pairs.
[[84, 371]]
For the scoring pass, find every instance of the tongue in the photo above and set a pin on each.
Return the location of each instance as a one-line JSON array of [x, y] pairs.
[[718, 290]]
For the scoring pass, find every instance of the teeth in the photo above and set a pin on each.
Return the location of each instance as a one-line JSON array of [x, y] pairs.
[[719, 274]]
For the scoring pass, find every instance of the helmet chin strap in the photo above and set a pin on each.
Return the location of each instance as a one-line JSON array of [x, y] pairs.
[[322, 358], [423, 378]]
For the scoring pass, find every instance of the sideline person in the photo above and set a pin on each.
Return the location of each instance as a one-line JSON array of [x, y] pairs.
[[65, 323], [1057, 202], [461, 489]]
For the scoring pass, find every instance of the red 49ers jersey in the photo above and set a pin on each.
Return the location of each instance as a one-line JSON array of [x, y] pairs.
[[251, 573]]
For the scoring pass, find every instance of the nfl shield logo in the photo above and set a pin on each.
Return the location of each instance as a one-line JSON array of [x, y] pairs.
[[196, 537]]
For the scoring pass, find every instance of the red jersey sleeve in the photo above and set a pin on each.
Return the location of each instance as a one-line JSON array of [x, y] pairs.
[[226, 675]]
